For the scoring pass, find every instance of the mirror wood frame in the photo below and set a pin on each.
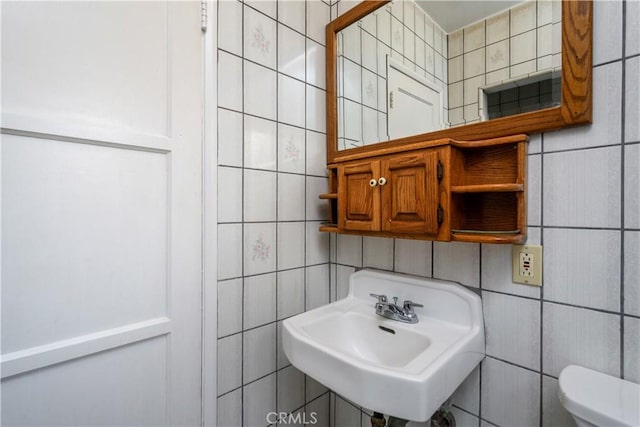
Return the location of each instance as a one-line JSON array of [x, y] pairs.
[[575, 108]]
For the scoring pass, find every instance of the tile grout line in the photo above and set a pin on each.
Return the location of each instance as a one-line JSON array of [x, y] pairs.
[[622, 186]]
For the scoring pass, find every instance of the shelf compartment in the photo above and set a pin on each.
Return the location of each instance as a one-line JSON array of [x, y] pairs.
[[487, 188], [489, 165], [329, 228], [486, 212]]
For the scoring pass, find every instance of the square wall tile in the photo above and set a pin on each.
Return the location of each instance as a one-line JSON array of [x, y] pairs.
[[342, 285], [607, 31], [455, 43], [317, 250], [290, 389], [291, 190], [632, 104], [290, 293], [316, 64], [316, 154], [467, 395], [378, 253], [292, 14], [321, 408], [582, 267], [291, 52], [259, 398], [534, 189], [456, 69], [497, 55], [229, 187], [230, 409], [582, 188], [291, 242], [413, 257], [545, 12], [577, 336], [291, 149], [229, 81], [260, 145], [523, 47], [632, 272], [497, 27], [317, 209], [317, 286], [316, 117], [229, 26], [229, 251], [267, 7], [259, 195], [508, 319], [317, 19], [345, 413], [259, 300], [259, 91], [553, 413], [259, 352], [607, 112], [281, 358], [230, 138], [350, 250], [632, 186], [496, 272], [474, 63], [545, 43], [632, 42], [459, 262], [260, 248], [259, 38], [464, 419], [631, 349], [523, 17], [500, 383], [229, 363], [474, 37], [314, 389], [291, 107], [229, 307]]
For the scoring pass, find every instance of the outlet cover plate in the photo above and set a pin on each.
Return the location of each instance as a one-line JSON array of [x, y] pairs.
[[527, 264]]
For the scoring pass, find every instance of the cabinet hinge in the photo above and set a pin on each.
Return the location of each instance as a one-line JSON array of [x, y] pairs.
[[440, 214], [203, 16], [440, 170]]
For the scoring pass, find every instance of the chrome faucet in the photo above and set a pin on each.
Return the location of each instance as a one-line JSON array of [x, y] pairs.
[[391, 310]]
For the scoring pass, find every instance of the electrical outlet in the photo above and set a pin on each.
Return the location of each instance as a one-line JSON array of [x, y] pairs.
[[527, 264]]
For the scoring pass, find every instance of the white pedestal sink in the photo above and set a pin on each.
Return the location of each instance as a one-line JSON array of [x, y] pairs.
[[399, 369]]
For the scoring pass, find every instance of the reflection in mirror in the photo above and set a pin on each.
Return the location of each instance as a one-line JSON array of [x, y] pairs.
[[408, 69]]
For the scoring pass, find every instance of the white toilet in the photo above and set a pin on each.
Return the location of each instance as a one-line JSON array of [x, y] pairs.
[[597, 399]]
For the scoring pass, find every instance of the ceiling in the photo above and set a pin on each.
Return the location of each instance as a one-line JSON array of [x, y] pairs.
[[453, 15]]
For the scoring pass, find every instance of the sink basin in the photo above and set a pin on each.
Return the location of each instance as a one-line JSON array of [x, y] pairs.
[[400, 369]]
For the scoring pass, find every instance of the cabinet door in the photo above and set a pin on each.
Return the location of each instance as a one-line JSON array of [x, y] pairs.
[[358, 200], [410, 194]]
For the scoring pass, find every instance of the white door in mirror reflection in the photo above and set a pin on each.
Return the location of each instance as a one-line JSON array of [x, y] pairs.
[[415, 105]]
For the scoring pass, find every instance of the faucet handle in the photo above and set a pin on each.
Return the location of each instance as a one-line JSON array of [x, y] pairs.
[[381, 298], [409, 305]]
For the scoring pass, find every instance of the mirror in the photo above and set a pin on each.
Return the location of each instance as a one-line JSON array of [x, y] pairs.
[[398, 73]]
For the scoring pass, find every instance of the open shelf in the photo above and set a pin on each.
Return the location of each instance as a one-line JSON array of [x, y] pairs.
[[328, 196]]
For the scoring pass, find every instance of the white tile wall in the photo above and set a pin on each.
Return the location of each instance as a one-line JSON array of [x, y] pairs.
[[632, 41], [632, 349], [250, 252], [507, 318], [553, 413], [582, 267], [259, 300], [576, 336], [350, 250], [583, 188], [290, 389], [500, 383], [632, 103], [607, 31], [458, 262], [632, 272]]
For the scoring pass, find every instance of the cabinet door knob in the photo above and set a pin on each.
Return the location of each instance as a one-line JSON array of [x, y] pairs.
[[373, 183], [382, 180]]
